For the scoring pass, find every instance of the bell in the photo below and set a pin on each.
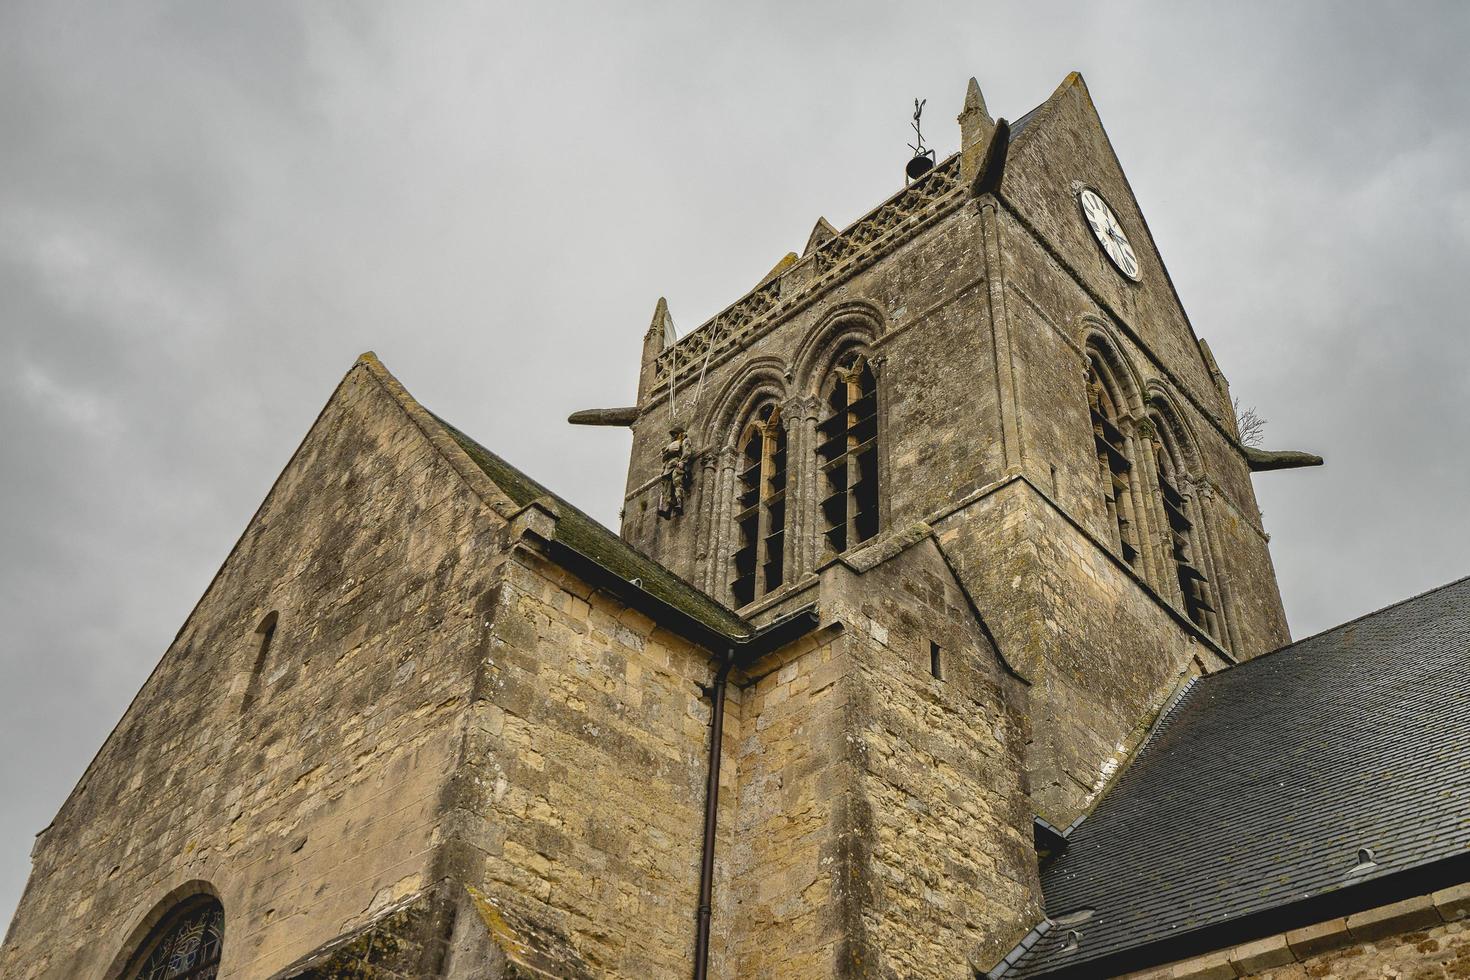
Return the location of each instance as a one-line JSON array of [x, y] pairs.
[[918, 167]]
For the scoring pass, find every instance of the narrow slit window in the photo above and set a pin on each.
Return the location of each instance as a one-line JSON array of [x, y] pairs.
[[265, 633], [847, 456], [760, 509], [936, 660]]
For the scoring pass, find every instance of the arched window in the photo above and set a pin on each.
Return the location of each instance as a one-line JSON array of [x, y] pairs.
[[847, 454], [760, 508], [185, 945], [1194, 587], [1114, 467]]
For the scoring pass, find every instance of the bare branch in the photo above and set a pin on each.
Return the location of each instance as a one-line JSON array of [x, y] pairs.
[[1251, 424]]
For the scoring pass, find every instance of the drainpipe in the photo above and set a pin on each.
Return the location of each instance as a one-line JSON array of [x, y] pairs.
[[739, 650], [711, 809], [743, 652]]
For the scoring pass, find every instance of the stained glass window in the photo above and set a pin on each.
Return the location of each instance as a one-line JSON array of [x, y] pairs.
[[186, 944]]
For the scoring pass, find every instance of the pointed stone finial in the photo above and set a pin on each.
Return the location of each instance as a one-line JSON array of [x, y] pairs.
[[974, 98], [975, 122], [660, 336], [662, 326], [975, 129], [823, 231]]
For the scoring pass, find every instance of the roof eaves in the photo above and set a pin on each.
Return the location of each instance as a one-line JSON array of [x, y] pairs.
[[1368, 893]]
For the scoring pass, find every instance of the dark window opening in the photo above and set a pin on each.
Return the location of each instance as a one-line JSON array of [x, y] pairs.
[[1192, 582], [266, 631], [186, 945], [847, 455], [760, 509], [936, 660], [1113, 464]]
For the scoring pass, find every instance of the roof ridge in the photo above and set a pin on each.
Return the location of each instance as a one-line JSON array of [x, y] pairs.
[[1343, 625]]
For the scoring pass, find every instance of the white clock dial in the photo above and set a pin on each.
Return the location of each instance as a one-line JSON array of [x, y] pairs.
[[1109, 233]]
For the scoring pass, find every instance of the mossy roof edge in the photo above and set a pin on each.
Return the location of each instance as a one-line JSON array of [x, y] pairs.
[[585, 535]]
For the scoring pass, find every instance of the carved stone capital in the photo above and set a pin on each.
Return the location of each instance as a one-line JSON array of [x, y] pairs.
[[804, 408]]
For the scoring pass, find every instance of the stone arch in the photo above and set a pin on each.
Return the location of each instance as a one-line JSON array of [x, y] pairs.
[[853, 324], [159, 916], [1101, 348], [1183, 518], [758, 380], [1163, 411], [1114, 403]]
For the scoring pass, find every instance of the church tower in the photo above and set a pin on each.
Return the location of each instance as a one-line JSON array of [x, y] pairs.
[[996, 355], [921, 537]]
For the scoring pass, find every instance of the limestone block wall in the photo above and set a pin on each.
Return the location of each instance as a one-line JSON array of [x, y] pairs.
[[1063, 147], [316, 806], [786, 863], [951, 867], [1051, 315], [1101, 653], [882, 827], [1440, 952], [1420, 938], [927, 306], [576, 825]]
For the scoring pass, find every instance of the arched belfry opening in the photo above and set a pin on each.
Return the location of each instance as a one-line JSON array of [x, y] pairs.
[[1182, 519], [1106, 405], [847, 454], [759, 560]]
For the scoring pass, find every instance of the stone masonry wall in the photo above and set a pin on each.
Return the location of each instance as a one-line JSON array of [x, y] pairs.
[[929, 307], [787, 870], [981, 318], [1101, 654], [1050, 315], [577, 823], [952, 876], [883, 829], [1419, 938], [317, 806], [1438, 953]]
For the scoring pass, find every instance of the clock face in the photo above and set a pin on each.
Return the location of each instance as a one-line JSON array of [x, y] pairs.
[[1109, 233]]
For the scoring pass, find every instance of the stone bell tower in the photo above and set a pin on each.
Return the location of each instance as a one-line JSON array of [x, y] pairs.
[[994, 355]]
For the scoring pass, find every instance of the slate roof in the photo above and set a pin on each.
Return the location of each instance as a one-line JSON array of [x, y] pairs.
[[591, 539], [1265, 779]]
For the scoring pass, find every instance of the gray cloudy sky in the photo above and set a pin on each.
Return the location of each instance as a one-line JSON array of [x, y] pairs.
[[208, 210]]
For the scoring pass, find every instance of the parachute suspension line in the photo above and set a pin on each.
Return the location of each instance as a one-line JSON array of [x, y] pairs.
[[708, 350], [673, 373]]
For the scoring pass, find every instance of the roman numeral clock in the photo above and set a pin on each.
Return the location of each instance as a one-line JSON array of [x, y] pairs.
[[1108, 232]]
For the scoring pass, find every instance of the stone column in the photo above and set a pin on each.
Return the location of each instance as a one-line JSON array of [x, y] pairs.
[[1213, 568], [1168, 583], [1199, 558], [1145, 531], [1003, 366], [720, 533], [703, 530], [801, 472]]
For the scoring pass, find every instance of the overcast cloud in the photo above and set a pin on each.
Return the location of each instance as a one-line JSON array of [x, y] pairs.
[[208, 210]]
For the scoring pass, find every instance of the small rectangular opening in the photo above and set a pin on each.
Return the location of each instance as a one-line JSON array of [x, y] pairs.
[[936, 661]]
